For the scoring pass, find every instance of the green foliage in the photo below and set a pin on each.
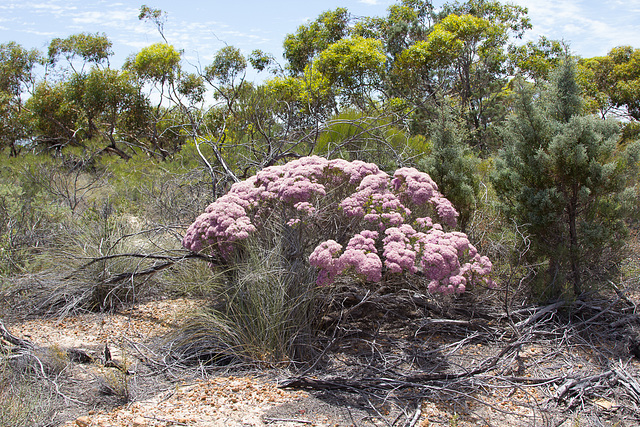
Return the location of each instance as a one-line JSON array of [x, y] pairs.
[[108, 92], [288, 89], [513, 17], [109, 104], [91, 48], [29, 215], [163, 192], [157, 63], [354, 64], [15, 129], [353, 135], [16, 76], [613, 81], [404, 25], [344, 137], [192, 87], [16, 67], [300, 48], [156, 16], [451, 46], [54, 116], [536, 59], [561, 174], [564, 100], [310, 94], [260, 60], [453, 165], [227, 66], [462, 58]]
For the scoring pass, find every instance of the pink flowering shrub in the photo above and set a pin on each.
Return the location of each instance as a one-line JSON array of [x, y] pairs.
[[349, 218]]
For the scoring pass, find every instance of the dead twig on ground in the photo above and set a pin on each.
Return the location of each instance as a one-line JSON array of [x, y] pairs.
[[580, 383], [12, 339], [630, 383], [287, 420]]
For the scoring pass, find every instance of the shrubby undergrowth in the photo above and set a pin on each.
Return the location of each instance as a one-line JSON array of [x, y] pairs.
[[346, 218], [68, 244]]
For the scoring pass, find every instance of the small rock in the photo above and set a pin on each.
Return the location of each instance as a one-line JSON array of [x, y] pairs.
[[83, 421], [139, 422]]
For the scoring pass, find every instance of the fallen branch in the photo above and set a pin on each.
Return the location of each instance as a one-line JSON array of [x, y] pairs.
[[538, 314], [169, 261], [579, 382], [287, 420], [630, 383], [416, 416], [12, 339]]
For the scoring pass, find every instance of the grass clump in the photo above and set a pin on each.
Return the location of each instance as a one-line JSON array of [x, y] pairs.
[[263, 310], [27, 400]]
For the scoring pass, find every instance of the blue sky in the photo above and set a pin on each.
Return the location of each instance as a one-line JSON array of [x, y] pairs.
[[202, 27]]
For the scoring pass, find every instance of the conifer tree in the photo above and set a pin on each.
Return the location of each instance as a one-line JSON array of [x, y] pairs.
[[452, 164], [561, 174]]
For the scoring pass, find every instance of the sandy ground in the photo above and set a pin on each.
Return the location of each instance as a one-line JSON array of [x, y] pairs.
[[157, 397]]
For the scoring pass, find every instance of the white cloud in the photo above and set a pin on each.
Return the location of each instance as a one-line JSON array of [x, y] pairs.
[[591, 29], [48, 34], [108, 18], [51, 8]]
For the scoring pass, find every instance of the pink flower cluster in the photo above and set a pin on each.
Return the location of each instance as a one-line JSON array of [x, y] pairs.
[[233, 217], [326, 257], [393, 215], [220, 225], [360, 256], [418, 187], [437, 255], [298, 183], [375, 203]]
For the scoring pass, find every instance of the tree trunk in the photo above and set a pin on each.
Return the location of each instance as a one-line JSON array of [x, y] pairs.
[[573, 241]]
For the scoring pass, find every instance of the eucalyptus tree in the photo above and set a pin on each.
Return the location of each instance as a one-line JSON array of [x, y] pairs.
[[355, 66], [536, 60], [406, 23], [112, 100], [463, 57], [55, 118], [87, 49], [226, 74], [17, 78], [158, 70], [301, 47], [613, 82]]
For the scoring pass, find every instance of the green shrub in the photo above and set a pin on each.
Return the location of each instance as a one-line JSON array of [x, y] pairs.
[[170, 192], [29, 217], [561, 175]]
